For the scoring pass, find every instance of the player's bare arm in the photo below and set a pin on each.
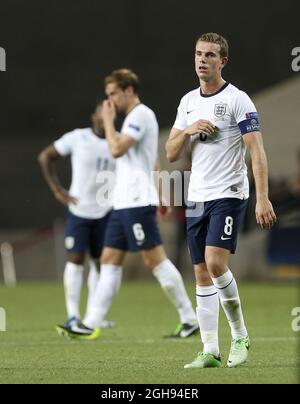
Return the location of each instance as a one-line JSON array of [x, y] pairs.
[[265, 215], [47, 160], [163, 210], [179, 139], [119, 144]]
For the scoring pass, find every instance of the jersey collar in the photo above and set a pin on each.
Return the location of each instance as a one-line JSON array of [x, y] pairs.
[[213, 94], [137, 105], [97, 134]]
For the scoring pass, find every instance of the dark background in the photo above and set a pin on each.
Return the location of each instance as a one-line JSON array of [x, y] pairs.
[[59, 51]]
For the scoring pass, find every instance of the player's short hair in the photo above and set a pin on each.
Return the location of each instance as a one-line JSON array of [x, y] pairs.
[[217, 39], [124, 78]]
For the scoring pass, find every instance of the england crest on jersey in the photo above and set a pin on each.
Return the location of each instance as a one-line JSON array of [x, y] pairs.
[[220, 109]]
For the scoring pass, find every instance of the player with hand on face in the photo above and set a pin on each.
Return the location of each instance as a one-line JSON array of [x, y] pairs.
[[133, 225], [219, 121], [86, 220]]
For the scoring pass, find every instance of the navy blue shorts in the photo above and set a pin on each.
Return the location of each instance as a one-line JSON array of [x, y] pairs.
[[217, 224], [134, 229], [85, 235]]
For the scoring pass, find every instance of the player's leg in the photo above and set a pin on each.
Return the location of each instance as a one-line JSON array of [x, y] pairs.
[[223, 279], [96, 241], [206, 293], [109, 283], [73, 279], [208, 318], [92, 280], [171, 282], [143, 235], [76, 243], [107, 287], [221, 241], [97, 236]]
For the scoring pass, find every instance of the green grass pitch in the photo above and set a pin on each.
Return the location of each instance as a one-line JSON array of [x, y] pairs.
[[135, 352]]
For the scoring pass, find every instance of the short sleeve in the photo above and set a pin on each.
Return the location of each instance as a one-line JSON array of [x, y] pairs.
[[64, 146], [245, 114], [181, 121], [135, 125]]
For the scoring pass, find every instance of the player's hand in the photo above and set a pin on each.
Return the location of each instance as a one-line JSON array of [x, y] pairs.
[[201, 126], [265, 215], [108, 111], [64, 198], [163, 212]]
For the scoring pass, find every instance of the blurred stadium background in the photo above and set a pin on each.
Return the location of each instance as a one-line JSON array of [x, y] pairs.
[[57, 56]]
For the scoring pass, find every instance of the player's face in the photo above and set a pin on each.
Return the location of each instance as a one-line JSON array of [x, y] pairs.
[[118, 96], [97, 120], [208, 61]]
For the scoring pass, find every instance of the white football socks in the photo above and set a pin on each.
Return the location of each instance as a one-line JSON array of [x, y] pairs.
[[92, 283], [108, 286], [230, 300], [73, 278], [171, 282], [208, 308]]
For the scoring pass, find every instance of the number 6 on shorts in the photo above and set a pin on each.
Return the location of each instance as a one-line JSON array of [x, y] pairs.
[[138, 232]]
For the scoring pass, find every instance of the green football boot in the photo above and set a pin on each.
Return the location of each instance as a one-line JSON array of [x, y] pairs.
[[238, 352], [204, 360], [79, 331]]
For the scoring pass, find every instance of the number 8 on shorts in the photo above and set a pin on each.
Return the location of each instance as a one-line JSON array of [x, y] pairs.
[[228, 229]]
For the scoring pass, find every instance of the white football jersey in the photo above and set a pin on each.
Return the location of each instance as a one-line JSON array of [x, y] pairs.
[[218, 161], [89, 155], [135, 184]]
